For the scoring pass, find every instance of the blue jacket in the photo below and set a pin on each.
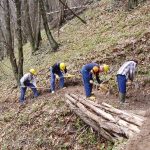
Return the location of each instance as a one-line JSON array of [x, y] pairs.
[[56, 68], [89, 67]]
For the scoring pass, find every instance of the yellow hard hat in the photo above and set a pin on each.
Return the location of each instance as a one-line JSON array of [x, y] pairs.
[[106, 68], [62, 66], [95, 69], [32, 71]]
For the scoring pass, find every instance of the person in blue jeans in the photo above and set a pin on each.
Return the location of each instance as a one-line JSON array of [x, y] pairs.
[[28, 80], [87, 71], [57, 69], [126, 72]]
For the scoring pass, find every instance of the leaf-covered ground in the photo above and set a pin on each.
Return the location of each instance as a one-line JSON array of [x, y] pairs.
[[46, 122]]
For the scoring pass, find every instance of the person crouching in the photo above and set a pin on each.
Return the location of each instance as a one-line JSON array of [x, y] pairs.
[[28, 80], [87, 71], [57, 69], [126, 72]]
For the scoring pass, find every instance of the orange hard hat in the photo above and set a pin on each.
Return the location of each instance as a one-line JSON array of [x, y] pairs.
[[95, 69]]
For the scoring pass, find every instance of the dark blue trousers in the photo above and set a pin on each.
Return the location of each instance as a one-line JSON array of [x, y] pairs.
[[121, 79], [86, 77], [52, 80], [23, 91]]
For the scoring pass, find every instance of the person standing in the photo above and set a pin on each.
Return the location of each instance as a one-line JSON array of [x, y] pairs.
[[57, 69], [28, 80], [126, 72]]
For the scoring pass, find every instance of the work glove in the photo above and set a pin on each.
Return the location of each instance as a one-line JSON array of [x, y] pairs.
[[93, 98], [57, 77], [129, 83], [91, 81]]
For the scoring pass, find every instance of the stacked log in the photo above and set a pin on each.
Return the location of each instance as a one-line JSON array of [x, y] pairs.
[[110, 122]]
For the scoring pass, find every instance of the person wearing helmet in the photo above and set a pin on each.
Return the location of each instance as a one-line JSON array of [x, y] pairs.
[[28, 80], [87, 71], [126, 72], [57, 69]]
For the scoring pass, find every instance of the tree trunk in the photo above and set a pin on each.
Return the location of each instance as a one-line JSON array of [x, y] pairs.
[[62, 12], [66, 6], [8, 41], [52, 42], [38, 37], [19, 38], [47, 6], [29, 26], [132, 4]]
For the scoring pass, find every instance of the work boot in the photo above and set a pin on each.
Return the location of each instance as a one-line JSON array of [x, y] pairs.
[[122, 97]]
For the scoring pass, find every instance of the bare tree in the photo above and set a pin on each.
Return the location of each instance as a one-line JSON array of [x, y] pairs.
[[19, 38], [38, 37], [9, 40], [29, 26], [52, 42]]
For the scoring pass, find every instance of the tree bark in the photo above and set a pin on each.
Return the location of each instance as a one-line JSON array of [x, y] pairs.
[[38, 37], [52, 42], [29, 26], [8, 41], [19, 38], [48, 9]]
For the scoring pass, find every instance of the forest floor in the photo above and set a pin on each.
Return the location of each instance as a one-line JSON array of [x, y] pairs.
[[46, 122]]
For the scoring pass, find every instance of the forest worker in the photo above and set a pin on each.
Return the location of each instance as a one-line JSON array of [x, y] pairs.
[[57, 70], [87, 71], [126, 72], [28, 80]]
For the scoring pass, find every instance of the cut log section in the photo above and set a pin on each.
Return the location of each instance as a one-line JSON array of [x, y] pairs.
[[110, 122]]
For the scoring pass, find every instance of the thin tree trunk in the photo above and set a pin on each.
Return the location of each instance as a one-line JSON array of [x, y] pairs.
[[52, 42], [62, 12], [65, 5], [38, 37], [9, 41], [19, 38], [30, 31], [47, 6]]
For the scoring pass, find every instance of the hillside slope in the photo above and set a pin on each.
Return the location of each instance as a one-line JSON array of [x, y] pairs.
[[46, 122]]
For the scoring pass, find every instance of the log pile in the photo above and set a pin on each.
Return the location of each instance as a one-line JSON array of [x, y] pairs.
[[110, 122]]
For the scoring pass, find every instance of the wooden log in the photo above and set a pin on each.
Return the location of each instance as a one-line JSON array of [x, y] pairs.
[[109, 126], [139, 117], [90, 122], [135, 118], [123, 115], [98, 111]]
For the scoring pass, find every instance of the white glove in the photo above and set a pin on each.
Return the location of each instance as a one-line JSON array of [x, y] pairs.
[[91, 81], [57, 77]]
